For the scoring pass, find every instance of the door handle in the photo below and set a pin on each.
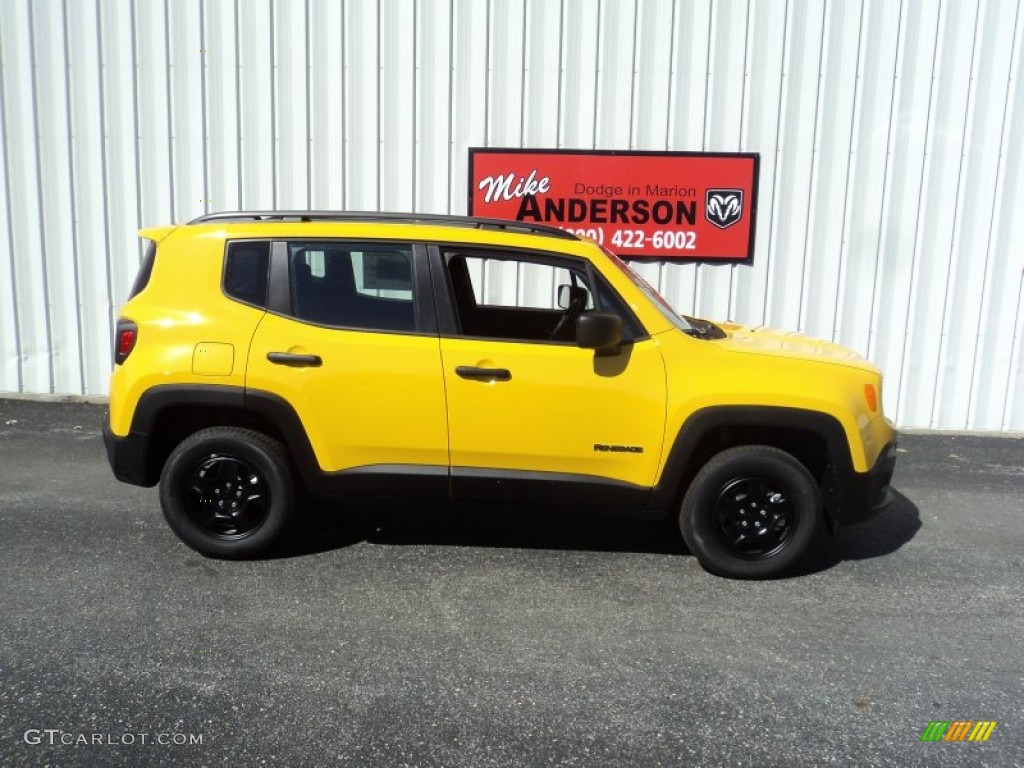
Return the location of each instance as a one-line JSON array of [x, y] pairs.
[[295, 361], [484, 374]]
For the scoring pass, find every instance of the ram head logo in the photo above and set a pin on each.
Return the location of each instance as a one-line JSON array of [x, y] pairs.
[[723, 207]]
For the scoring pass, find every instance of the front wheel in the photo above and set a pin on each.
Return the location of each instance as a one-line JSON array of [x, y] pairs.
[[228, 492], [751, 512]]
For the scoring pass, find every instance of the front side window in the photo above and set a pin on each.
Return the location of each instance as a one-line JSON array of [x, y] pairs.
[[352, 285], [524, 297]]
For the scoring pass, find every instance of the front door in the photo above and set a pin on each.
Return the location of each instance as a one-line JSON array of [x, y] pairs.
[[531, 414]]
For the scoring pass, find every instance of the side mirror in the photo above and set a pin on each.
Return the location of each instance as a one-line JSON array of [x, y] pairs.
[[598, 330]]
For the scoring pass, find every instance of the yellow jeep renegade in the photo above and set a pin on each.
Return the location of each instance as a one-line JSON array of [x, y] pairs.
[[469, 359]]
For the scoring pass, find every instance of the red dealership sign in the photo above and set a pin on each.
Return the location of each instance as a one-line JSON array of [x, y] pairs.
[[640, 205]]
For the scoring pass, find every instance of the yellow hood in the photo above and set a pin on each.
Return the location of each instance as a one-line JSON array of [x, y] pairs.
[[769, 341]]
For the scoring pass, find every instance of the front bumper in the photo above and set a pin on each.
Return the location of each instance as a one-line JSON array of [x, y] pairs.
[[127, 455], [858, 496]]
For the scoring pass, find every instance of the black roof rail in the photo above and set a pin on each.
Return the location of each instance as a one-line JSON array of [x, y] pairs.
[[398, 218]]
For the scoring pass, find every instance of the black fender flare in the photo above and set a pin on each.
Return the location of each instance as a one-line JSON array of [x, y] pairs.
[[156, 400], [275, 411], [682, 454]]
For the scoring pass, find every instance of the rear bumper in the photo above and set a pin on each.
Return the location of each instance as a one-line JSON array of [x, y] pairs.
[[861, 495], [127, 455]]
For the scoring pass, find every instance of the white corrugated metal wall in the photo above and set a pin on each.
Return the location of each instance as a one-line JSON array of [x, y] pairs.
[[891, 212]]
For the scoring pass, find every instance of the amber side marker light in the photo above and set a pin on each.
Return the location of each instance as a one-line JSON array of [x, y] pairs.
[[871, 397]]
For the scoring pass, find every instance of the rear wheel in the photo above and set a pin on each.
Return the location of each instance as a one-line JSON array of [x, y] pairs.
[[751, 512], [228, 492]]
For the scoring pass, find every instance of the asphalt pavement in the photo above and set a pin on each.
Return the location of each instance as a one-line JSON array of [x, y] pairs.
[[410, 636]]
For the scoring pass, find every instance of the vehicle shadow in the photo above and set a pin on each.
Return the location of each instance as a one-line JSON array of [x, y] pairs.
[[880, 536], [332, 526], [327, 527]]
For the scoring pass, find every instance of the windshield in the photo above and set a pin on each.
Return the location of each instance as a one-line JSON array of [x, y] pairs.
[[656, 298]]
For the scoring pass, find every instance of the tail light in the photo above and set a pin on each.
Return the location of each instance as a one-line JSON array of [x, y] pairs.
[[125, 336]]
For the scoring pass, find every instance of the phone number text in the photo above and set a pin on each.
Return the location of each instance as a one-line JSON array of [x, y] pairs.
[[636, 239]]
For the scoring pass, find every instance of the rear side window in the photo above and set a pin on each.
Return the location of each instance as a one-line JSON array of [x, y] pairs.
[[352, 285], [145, 270], [245, 271]]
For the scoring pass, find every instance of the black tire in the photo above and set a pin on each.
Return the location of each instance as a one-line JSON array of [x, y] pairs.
[[751, 512], [228, 492]]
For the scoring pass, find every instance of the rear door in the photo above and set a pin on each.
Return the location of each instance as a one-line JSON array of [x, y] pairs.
[[350, 341]]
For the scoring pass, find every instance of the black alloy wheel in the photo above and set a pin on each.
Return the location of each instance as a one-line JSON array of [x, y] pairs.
[[228, 492], [227, 497], [751, 512], [755, 516]]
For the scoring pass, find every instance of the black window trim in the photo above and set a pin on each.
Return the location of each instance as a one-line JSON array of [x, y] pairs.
[[279, 297], [447, 320], [596, 276]]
